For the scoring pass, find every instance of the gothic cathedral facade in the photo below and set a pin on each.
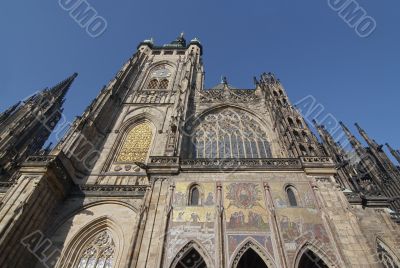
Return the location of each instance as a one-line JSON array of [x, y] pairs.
[[161, 172]]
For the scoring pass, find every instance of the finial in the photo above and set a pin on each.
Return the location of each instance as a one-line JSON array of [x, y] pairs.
[[358, 127], [182, 35]]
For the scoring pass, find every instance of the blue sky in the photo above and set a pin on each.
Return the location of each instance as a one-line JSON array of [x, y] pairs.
[[305, 43]]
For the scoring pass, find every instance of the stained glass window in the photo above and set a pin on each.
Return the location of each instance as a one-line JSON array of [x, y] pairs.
[[99, 253], [136, 144], [230, 133]]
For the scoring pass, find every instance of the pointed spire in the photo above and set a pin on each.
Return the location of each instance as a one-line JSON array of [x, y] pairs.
[[395, 153], [364, 134], [30, 125], [60, 90], [9, 111], [353, 140]]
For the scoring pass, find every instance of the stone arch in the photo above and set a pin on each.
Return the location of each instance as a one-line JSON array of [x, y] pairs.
[[75, 247], [187, 248], [323, 256], [256, 141], [81, 208], [233, 106], [147, 112], [114, 214], [170, 65], [385, 255], [247, 244], [142, 127]]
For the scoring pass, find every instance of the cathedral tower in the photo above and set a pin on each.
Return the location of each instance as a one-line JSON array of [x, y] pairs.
[[25, 127]]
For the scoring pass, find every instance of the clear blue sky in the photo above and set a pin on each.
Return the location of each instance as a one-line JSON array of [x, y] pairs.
[[309, 47]]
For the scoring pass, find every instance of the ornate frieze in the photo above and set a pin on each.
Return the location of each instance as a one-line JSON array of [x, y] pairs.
[[110, 190], [231, 95], [241, 164], [153, 96]]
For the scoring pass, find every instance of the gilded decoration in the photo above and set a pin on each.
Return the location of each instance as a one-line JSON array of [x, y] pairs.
[[194, 214], [245, 208], [136, 144]]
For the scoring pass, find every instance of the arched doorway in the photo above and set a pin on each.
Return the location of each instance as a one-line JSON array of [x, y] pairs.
[[250, 259], [310, 260], [192, 259]]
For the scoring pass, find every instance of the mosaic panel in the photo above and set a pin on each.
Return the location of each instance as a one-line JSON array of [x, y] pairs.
[[245, 208]]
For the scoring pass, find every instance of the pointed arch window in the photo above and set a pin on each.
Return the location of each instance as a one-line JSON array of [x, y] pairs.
[[230, 133], [163, 84], [306, 138], [312, 151], [251, 259], [136, 144], [291, 122], [153, 83], [296, 135], [99, 252], [291, 195], [310, 260], [194, 196], [191, 258], [299, 123], [303, 150]]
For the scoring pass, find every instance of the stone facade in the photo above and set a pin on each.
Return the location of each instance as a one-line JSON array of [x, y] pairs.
[[160, 172]]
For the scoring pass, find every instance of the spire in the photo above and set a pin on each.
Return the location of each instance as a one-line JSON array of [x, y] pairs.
[[179, 42], [364, 134], [353, 140], [60, 90], [26, 129], [328, 141], [396, 154], [8, 112]]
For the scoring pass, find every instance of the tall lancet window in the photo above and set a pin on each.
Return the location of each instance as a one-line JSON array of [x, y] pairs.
[[136, 145], [99, 252], [291, 196], [230, 133]]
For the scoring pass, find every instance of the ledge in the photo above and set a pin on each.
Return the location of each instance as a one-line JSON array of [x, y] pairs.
[[109, 190], [163, 165], [240, 164]]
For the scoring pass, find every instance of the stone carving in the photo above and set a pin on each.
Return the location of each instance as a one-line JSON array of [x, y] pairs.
[[230, 133], [163, 160], [243, 250], [240, 164], [153, 96], [231, 95], [99, 252]]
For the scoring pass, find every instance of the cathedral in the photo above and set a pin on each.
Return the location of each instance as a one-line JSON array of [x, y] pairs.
[[160, 171]]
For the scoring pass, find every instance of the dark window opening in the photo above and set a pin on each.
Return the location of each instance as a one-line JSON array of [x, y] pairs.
[[311, 260], [251, 259]]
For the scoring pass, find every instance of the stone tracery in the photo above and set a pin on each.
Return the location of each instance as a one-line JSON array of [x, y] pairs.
[[99, 252], [230, 133]]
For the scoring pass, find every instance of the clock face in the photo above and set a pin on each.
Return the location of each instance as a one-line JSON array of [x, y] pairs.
[[161, 73]]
